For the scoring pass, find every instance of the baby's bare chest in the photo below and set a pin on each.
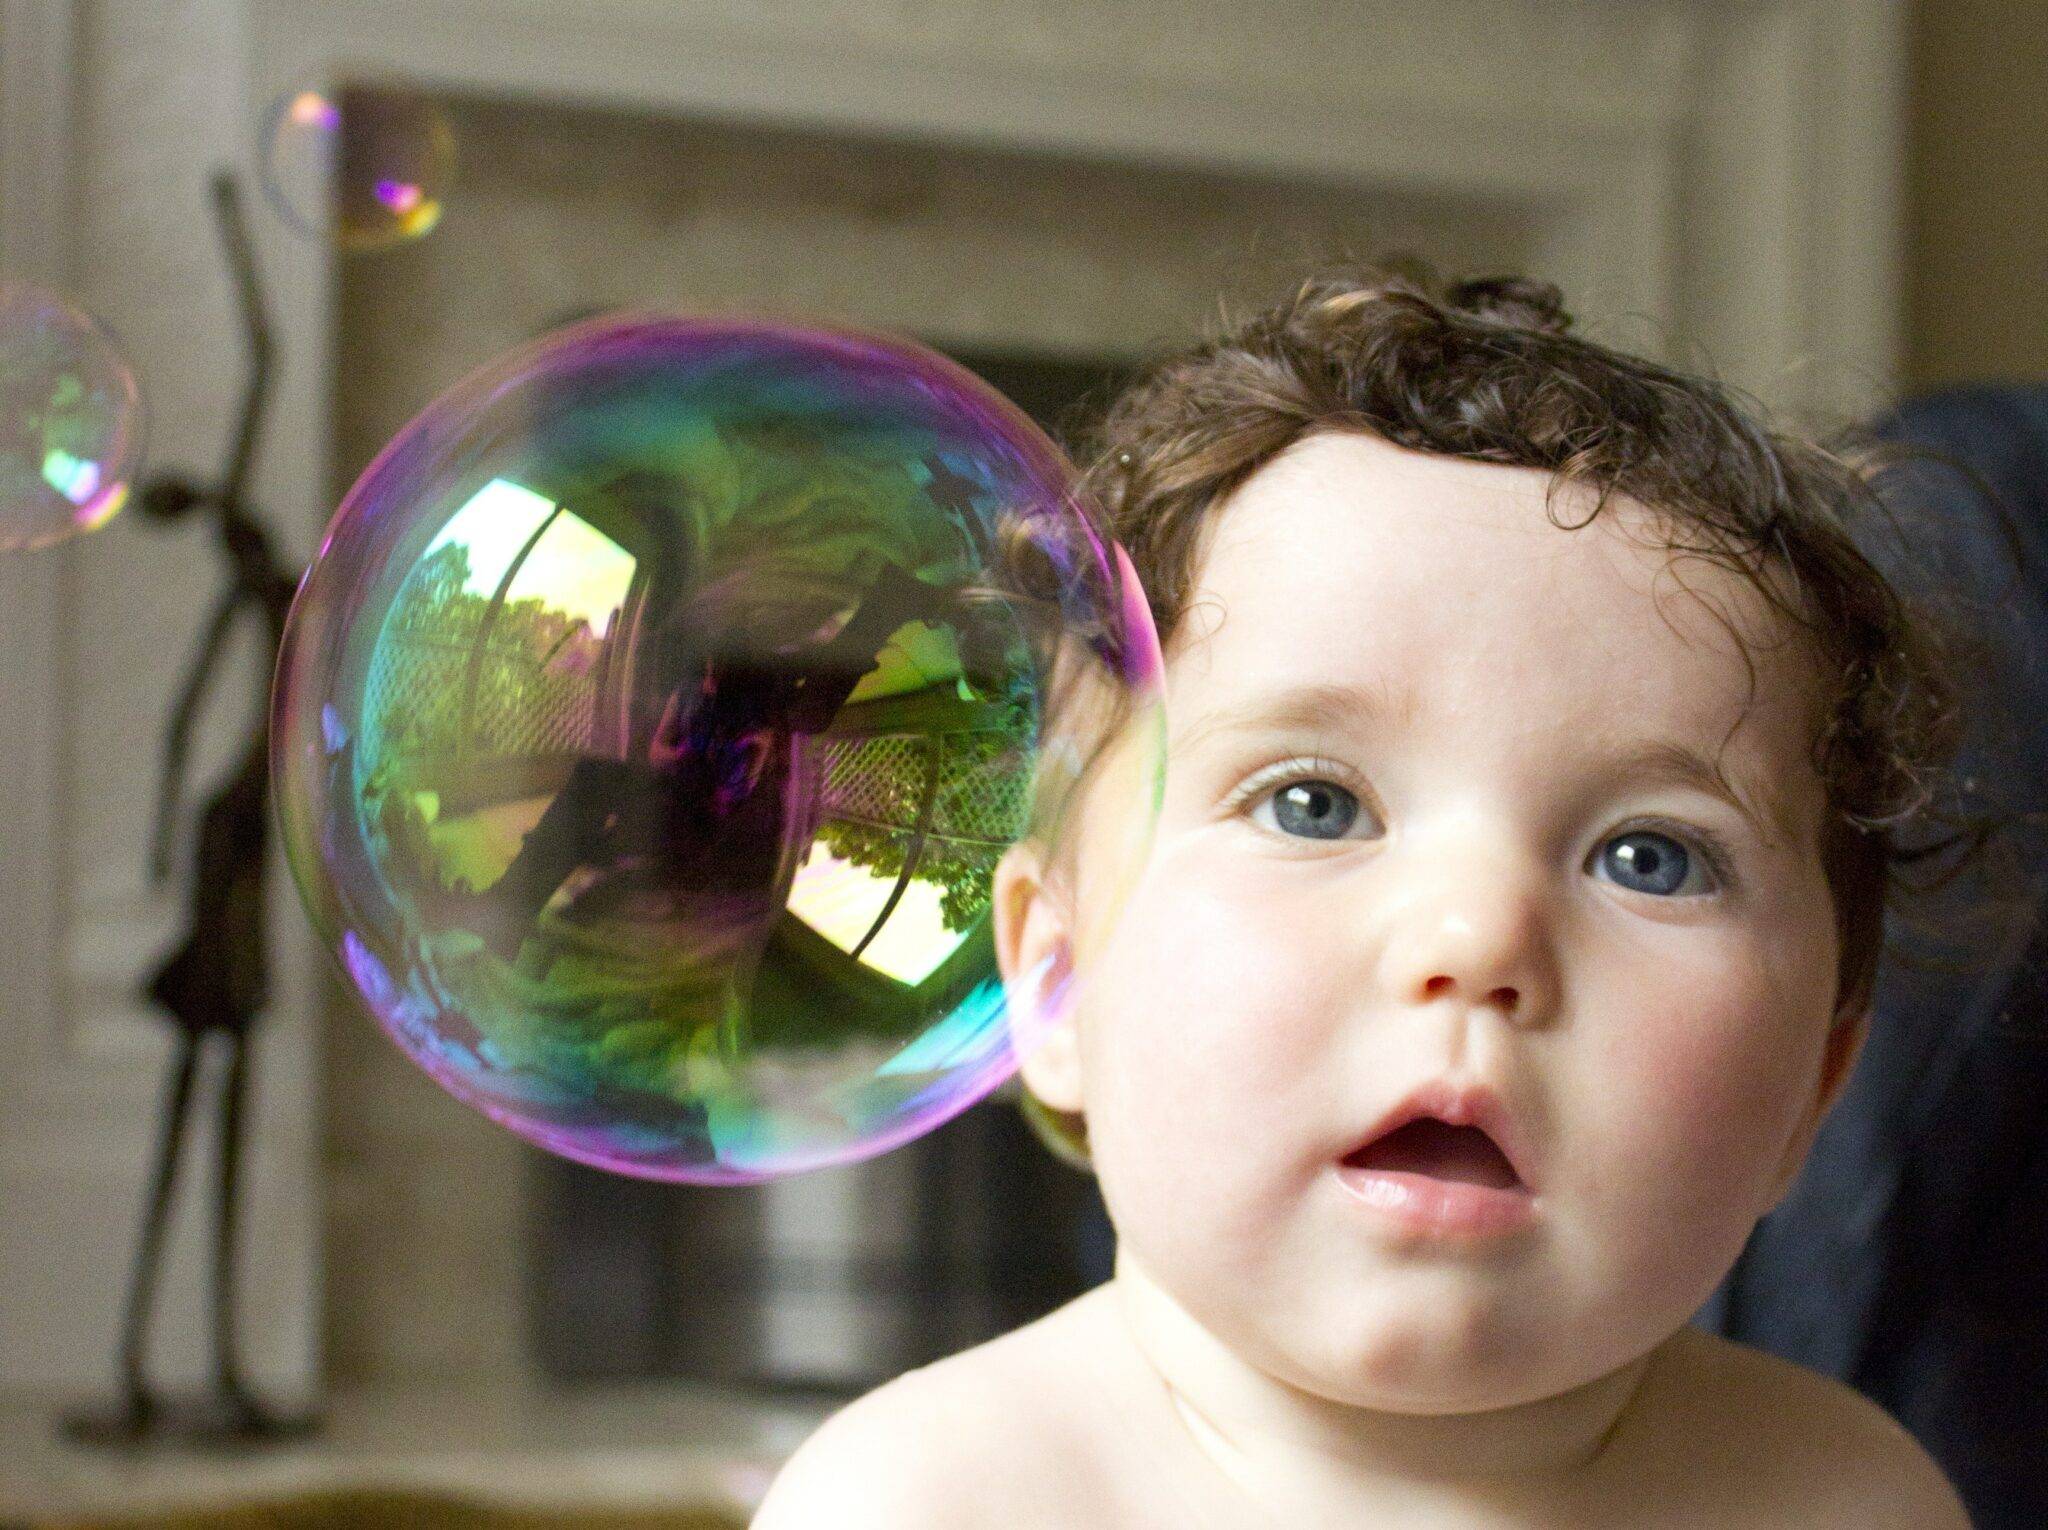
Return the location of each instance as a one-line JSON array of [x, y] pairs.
[[1054, 1481], [1745, 1474]]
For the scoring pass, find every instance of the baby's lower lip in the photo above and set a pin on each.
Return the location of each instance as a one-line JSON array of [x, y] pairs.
[[1446, 1208]]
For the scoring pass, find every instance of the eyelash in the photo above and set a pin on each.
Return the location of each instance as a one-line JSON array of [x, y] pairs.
[[1292, 772]]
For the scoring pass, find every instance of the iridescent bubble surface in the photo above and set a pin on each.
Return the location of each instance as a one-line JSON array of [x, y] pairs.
[[368, 167], [649, 726], [70, 420]]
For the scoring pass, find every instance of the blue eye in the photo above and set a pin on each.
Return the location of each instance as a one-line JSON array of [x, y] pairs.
[[1652, 862], [1642, 858], [1313, 809]]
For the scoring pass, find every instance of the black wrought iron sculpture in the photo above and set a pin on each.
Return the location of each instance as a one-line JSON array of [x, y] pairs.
[[214, 984]]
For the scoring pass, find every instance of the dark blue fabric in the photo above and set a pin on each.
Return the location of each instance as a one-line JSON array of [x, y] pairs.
[[1910, 1260]]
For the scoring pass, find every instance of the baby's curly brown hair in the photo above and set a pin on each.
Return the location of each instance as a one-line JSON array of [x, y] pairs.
[[1488, 369]]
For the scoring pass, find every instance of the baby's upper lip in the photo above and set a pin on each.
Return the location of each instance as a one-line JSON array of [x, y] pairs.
[[1459, 1104]]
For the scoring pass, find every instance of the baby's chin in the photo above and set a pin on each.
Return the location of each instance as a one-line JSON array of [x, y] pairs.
[[1438, 1363], [1435, 1388], [1398, 1342]]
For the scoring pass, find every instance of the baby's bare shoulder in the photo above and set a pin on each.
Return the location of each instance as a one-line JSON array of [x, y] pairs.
[[1777, 1443], [865, 1466], [981, 1438]]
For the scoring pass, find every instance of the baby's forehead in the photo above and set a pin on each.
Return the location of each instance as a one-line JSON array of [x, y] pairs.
[[1432, 595], [1346, 547]]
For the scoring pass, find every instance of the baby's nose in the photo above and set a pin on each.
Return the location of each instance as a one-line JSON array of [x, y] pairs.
[[1443, 985], [1483, 945]]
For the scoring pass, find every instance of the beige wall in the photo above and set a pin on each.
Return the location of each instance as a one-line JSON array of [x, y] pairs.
[[1977, 192]]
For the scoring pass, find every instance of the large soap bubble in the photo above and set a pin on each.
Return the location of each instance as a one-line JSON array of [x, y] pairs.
[[70, 420], [650, 724], [368, 166]]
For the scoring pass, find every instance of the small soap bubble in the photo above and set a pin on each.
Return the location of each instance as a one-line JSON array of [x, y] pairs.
[[71, 420], [368, 167], [650, 725]]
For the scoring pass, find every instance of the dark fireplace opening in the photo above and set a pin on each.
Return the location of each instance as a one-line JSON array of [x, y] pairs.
[[831, 1283], [834, 1281]]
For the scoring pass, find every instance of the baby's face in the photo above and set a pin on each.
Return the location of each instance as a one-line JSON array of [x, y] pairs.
[[1459, 878]]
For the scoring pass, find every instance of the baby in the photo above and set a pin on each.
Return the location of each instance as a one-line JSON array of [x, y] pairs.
[[1509, 926]]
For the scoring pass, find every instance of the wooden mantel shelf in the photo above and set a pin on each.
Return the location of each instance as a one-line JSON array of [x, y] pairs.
[[619, 1446]]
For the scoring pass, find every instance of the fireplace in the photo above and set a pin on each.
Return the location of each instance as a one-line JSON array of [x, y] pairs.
[[1709, 184], [452, 1247]]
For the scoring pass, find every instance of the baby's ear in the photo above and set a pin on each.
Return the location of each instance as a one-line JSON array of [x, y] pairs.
[[1846, 1035], [1850, 1029], [1034, 949]]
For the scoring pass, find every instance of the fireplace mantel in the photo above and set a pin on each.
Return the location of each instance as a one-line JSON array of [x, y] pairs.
[[1711, 181]]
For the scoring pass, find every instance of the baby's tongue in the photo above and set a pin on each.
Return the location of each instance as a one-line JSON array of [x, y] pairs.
[[1441, 1151]]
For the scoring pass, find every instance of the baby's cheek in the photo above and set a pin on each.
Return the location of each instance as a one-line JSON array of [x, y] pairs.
[[1198, 1036], [1220, 989], [1696, 1112]]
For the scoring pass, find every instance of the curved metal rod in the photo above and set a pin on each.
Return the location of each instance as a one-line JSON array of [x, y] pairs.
[[913, 854]]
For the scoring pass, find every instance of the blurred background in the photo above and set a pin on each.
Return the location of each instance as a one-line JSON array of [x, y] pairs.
[[1832, 204]]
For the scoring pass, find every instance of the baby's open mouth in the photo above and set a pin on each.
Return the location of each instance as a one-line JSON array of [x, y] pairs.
[[1442, 1151]]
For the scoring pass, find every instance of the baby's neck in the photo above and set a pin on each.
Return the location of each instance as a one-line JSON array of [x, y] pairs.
[[1282, 1444]]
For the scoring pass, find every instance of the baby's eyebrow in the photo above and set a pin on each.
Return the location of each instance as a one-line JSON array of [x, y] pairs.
[[1756, 799], [1306, 707], [1332, 707]]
